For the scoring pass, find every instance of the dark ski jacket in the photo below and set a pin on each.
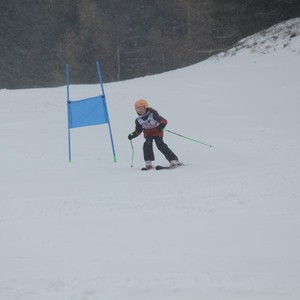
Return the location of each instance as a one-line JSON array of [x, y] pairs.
[[152, 124]]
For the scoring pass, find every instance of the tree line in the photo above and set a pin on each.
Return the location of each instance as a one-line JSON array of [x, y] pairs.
[[131, 38]]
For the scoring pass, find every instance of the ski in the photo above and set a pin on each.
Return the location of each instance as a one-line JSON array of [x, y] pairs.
[[168, 167], [162, 167]]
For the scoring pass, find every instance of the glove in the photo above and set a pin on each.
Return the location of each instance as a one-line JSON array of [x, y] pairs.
[[161, 126], [131, 136]]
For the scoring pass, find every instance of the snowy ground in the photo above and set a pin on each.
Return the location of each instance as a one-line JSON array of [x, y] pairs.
[[222, 227]]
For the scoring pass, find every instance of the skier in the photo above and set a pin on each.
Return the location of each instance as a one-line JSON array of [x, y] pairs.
[[152, 124]]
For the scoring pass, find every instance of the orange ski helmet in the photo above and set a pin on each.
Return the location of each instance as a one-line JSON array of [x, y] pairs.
[[141, 102]]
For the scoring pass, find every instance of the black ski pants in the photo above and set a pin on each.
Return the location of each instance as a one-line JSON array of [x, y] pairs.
[[161, 146]]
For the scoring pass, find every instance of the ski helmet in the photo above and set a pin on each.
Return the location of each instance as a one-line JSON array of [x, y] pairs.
[[141, 102]]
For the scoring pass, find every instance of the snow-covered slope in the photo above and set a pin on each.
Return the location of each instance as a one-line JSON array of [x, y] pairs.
[[225, 226], [284, 35]]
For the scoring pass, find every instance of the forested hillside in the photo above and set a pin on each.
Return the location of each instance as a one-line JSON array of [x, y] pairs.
[[131, 38]]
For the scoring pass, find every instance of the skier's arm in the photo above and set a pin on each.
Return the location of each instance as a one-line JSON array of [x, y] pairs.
[[162, 121], [138, 130]]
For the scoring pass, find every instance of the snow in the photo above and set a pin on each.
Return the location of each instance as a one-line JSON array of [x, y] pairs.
[[224, 226]]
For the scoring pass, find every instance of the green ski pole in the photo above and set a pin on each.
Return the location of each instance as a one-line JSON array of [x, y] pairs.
[[132, 156], [188, 138]]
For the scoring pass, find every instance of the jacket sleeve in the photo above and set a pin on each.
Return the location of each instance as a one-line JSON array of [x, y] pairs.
[[162, 121], [138, 128]]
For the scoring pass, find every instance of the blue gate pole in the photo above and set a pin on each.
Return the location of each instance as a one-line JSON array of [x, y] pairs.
[[68, 108], [104, 101]]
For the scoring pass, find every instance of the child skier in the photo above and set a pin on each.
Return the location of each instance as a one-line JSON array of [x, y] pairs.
[[152, 124]]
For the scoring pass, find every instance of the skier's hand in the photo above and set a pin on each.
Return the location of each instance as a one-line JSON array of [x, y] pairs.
[[161, 126], [131, 136]]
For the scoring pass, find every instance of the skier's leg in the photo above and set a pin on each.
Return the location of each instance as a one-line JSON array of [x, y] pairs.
[[148, 149], [164, 149]]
